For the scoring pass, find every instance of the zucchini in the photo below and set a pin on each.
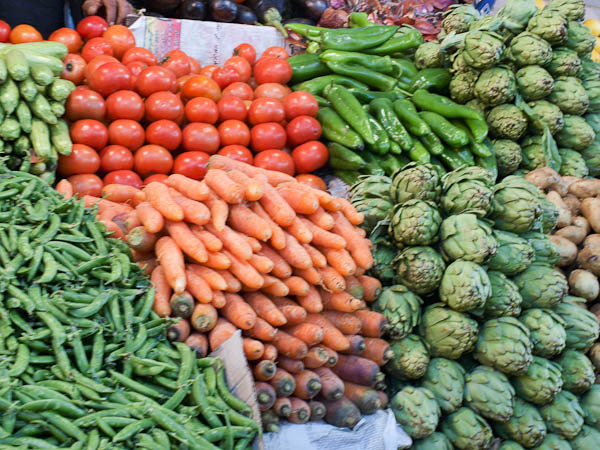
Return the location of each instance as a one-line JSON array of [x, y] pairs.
[[41, 74], [59, 133], [17, 65], [55, 64], [3, 71], [10, 129], [40, 138], [28, 89], [57, 108], [49, 48], [40, 107], [22, 145], [9, 96], [61, 89], [24, 115]]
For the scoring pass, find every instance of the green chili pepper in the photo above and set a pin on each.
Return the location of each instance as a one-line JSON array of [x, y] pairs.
[[383, 110], [372, 167], [349, 177], [445, 130], [302, 29], [407, 38], [382, 64], [317, 85], [370, 77], [307, 66], [432, 143], [367, 97], [337, 130], [419, 153], [434, 79], [346, 105], [353, 39], [343, 158], [478, 149], [479, 129], [443, 106], [408, 115], [466, 155], [358, 20], [382, 139], [388, 163]]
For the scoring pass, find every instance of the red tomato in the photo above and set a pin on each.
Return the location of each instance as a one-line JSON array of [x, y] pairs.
[[115, 157], [234, 132], [272, 70], [87, 184], [135, 67], [312, 180], [126, 177], [164, 105], [264, 110], [128, 133], [224, 76], [275, 52], [120, 38], [165, 133], [125, 105], [275, 160], [239, 89], [69, 37], [201, 109], [109, 78], [152, 159], [272, 90], [208, 70], [95, 63], [85, 104], [4, 31], [95, 47], [303, 129], [201, 137], [91, 27], [267, 136], [195, 66], [24, 33], [246, 51], [241, 65], [310, 156], [177, 62], [192, 164], [74, 68], [232, 108], [300, 103], [181, 81], [237, 152], [156, 79], [157, 177], [82, 159], [201, 86], [140, 54], [89, 132]]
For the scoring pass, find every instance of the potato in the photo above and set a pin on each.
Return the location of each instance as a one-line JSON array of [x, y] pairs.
[[589, 259], [568, 250], [573, 203], [584, 284], [594, 354], [595, 310], [570, 180], [546, 178], [582, 222], [574, 234], [592, 241], [585, 188], [590, 208], [564, 213]]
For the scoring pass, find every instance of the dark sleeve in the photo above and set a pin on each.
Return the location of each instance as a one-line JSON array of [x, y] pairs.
[[76, 12], [45, 15]]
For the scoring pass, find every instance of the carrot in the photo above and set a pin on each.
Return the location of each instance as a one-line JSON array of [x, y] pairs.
[[275, 205], [374, 324], [254, 244], [324, 238], [384, 399], [277, 236], [187, 241], [179, 332], [371, 287], [262, 330], [270, 353], [308, 384], [317, 410], [219, 211], [223, 186], [342, 413], [233, 284], [346, 323], [225, 163], [341, 301], [311, 275], [162, 294], [204, 317], [159, 197], [377, 350], [265, 395], [104, 204], [311, 302], [64, 188], [281, 269], [295, 254], [360, 271], [261, 263], [253, 190], [341, 261], [198, 343], [309, 333], [322, 219], [357, 344], [300, 411], [301, 201], [182, 304], [355, 243], [356, 370], [112, 229], [316, 357], [193, 189], [274, 286], [140, 240], [138, 198], [354, 288], [290, 365], [222, 331], [152, 220], [361, 232], [238, 312], [253, 349], [283, 383], [318, 259], [300, 231], [244, 220], [289, 345], [283, 407], [332, 386], [264, 370], [193, 211], [147, 265], [353, 216], [218, 299], [232, 241], [332, 356], [211, 277], [128, 221], [120, 193], [365, 398], [210, 241], [245, 272], [332, 279], [293, 312], [332, 337], [326, 200], [297, 286], [218, 261], [266, 309], [171, 258]]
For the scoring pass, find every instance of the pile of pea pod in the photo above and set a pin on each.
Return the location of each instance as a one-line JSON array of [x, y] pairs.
[[377, 110], [84, 361]]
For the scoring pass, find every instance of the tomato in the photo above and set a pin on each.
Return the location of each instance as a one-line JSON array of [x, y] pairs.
[[140, 54], [303, 129], [300, 103], [234, 132], [275, 160], [164, 105], [272, 90], [310, 156], [89, 132], [95, 63], [312, 180], [237, 152], [74, 68], [201, 86], [201, 109], [201, 137], [157, 177], [275, 52], [115, 157], [272, 70], [208, 70], [128, 133], [125, 105], [252, 83], [69, 37], [95, 47], [177, 62], [85, 104], [109, 78], [241, 65], [120, 38], [195, 66], [24, 33], [264, 110], [232, 108], [4, 31], [82, 159], [88, 184], [224, 76], [239, 89], [246, 51], [126, 177], [267, 136], [165, 133], [152, 159], [91, 27], [135, 67], [181, 81], [155, 79], [192, 164]]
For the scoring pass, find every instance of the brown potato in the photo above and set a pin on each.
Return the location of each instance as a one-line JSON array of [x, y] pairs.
[[573, 203], [568, 180], [584, 284], [574, 234], [546, 178], [568, 250], [594, 353], [585, 188], [589, 259], [582, 222], [564, 213], [592, 241], [590, 208]]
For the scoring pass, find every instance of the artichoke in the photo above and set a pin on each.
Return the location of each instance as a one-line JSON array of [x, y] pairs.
[[533, 154], [573, 164], [465, 286], [482, 50], [505, 299], [569, 9], [415, 222], [510, 445], [467, 430], [477, 105], [459, 64], [420, 269], [415, 182], [458, 18], [515, 205], [579, 38], [565, 63], [507, 122], [590, 403], [528, 49], [553, 442], [467, 190], [371, 197], [548, 25], [594, 355], [437, 441], [545, 251], [541, 286], [466, 237], [513, 256], [540, 384], [576, 134], [401, 308], [516, 14], [496, 86], [546, 114], [590, 70], [534, 82], [429, 55], [416, 411], [489, 393], [563, 415], [569, 95], [446, 380], [508, 156], [447, 333], [593, 90], [577, 371], [462, 86], [549, 217], [410, 358], [593, 120], [384, 253], [547, 333], [587, 439], [526, 426], [591, 155], [580, 324], [374, 209]]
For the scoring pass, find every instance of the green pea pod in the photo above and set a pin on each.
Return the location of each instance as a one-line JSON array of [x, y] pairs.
[[432, 143], [346, 105], [350, 177], [382, 64], [383, 110], [317, 85], [434, 79], [407, 38], [353, 39], [443, 106], [419, 153], [307, 66], [366, 97], [337, 130], [343, 158], [408, 115], [382, 139], [358, 20], [479, 129], [371, 78], [446, 131]]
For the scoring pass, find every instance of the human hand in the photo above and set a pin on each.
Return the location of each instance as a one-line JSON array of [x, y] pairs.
[[115, 10]]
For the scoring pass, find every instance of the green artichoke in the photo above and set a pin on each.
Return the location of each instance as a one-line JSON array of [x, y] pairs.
[[437, 441], [593, 120], [593, 90], [573, 164], [465, 286], [420, 269], [496, 86], [548, 25], [459, 65], [541, 286], [458, 18], [587, 439], [534, 82], [410, 358], [591, 155], [528, 49], [467, 190], [467, 430], [526, 426], [553, 442], [482, 50], [590, 70], [545, 251], [462, 86], [514, 254], [515, 205], [565, 63], [546, 115], [563, 415], [516, 14], [576, 133], [549, 217], [429, 55], [505, 299], [590, 403], [466, 237], [447, 333], [508, 156], [533, 154], [577, 371], [570, 96], [507, 122], [580, 324], [510, 445], [416, 411], [569, 9], [374, 209], [547, 331], [540, 384], [415, 182], [446, 380], [415, 222], [579, 38], [384, 253], [402, 309], [489, 393], [370, 186], [477, 105]]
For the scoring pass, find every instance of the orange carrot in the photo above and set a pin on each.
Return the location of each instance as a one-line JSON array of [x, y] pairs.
[[341, 261], [238, 312], [222, 331], [326, 200], [198, 343], [318, 259], [159, 197], [355, 243], [245, 272], [365, 398], [64, 188], [283, 407], [128, 221], [374, 324], [224, 187], [262, 330], [322, 219], [357, 344], [324, 238], [254, 244], [293, 312], [332, 386], [140, 197], [182, 304], [141, 256], [218, 261], [152, 220], [316, 357], [162, 294], [295, 254], [244, 220], [264, 370], [300, 411], [357, 370], [346, 323], [341, 301], [371, 287], [193, 189], [171, 259], [225, 163], [297, 286], [104, 204], [140, 240], [232, 241], [198, 286], [213, 278], [266, 309], [360, 271], [290, 365], [274, 286], [354, 288], [353, 216], [300, 231], [261, 263], [308, 384], [277, 236], [332, 279], [270, 353], [147, 265], [193, 211], [204, 317], [253, 190], [276, 206], [332, 356], [312, 275], [112, 229], [311, 302], [281, 269], [332, 337], [317, 410], [309, 333], [283, 383], [377, 350], [120, 193], [253, 349], [233, 284], [219, 211], [289, 346], [301, 201], [265, 395], [187, 241], [179, 332], [218, 300], [361, 232]]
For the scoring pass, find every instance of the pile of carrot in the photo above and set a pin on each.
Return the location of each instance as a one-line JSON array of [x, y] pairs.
[[252, 249]]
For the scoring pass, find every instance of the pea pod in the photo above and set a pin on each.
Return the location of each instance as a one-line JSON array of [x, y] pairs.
[[445, 130], [383, 110]]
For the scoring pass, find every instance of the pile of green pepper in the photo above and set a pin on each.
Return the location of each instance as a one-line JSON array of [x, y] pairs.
[[84, 361]]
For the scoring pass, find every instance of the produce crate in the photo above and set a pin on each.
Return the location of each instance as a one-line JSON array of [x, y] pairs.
[[485, 6]]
